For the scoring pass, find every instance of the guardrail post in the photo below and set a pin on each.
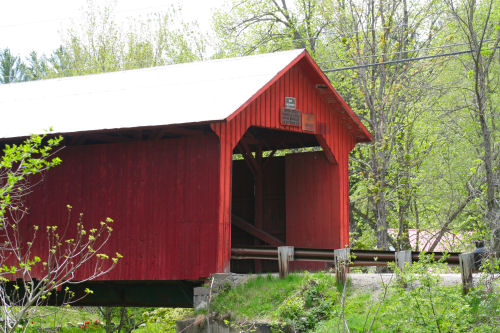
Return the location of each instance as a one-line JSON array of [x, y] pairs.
[[401, 258], [466, 261], [341, 258], [285, 255]]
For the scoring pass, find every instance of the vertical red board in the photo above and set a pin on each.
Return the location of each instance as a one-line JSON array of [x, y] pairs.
[[312, 205]]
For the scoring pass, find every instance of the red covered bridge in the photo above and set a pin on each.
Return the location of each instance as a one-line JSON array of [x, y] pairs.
[[188, 159]]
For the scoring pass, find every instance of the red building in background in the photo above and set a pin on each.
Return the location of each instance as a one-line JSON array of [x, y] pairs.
[[188, 159]]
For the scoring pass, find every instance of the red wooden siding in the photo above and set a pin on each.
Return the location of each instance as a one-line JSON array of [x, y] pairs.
[[312, 201], [312, 205], [264, 111], [162, 195]]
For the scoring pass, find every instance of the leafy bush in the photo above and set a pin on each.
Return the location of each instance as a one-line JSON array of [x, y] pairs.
[[256, 299], [420, 303], [311, 304], [300, 300], [166, 318]]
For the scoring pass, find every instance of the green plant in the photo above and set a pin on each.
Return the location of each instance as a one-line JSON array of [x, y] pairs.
[[92, 326], [165, 318], [423, 304], [257, 298], [29, 277], [121, 319], [299, 301]]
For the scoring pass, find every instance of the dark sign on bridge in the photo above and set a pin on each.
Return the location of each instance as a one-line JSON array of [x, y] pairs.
[[290, 117]]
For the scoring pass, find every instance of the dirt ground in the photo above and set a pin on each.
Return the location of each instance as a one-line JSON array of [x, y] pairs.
[[374, 282]]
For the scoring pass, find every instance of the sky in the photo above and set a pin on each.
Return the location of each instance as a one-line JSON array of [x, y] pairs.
[[28, 25]]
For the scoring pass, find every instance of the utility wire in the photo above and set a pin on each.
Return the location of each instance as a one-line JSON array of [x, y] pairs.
[[399, 61], [400, 52]]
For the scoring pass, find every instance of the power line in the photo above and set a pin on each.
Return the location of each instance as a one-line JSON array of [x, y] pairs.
[[399, 61], [400, 52]]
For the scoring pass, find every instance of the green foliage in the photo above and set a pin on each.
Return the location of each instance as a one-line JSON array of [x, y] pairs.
[[246, 27], [256, 298], [312, 303], [102, 45], [20, 161], [40, 276], [164, 319], [82, 319], [423, 304], [362, 238], [121, 319], [11, 67], [61, 319], [300, 300]]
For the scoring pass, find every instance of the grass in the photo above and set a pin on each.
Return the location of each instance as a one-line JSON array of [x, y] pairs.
[[257, 298], [359, 309], [312, 303], [300, 300]]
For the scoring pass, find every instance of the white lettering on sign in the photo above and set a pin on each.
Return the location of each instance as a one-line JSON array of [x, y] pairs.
[[290, 117], [290, 103]]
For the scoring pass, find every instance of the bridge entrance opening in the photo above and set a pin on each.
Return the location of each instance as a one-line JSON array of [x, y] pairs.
[[279, 195]]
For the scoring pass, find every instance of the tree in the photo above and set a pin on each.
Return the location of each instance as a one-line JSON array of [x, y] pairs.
[[30, 277], [101, 45], [11, 67], [478, 24], [390, 93], [36, 67], [266, 26]]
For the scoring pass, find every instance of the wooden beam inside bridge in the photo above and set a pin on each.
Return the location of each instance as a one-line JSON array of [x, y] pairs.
[[256, 232]]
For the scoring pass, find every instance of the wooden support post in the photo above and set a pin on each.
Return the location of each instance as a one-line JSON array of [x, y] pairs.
[[259, 200], [401, 258], [342, 258], [285, 255], [259, 190], [466, 261]]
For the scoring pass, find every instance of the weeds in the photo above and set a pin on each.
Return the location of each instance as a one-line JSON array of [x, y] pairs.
[[415, 301]]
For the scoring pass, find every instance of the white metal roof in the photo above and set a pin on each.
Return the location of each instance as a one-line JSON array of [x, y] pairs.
[[175, 94]]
